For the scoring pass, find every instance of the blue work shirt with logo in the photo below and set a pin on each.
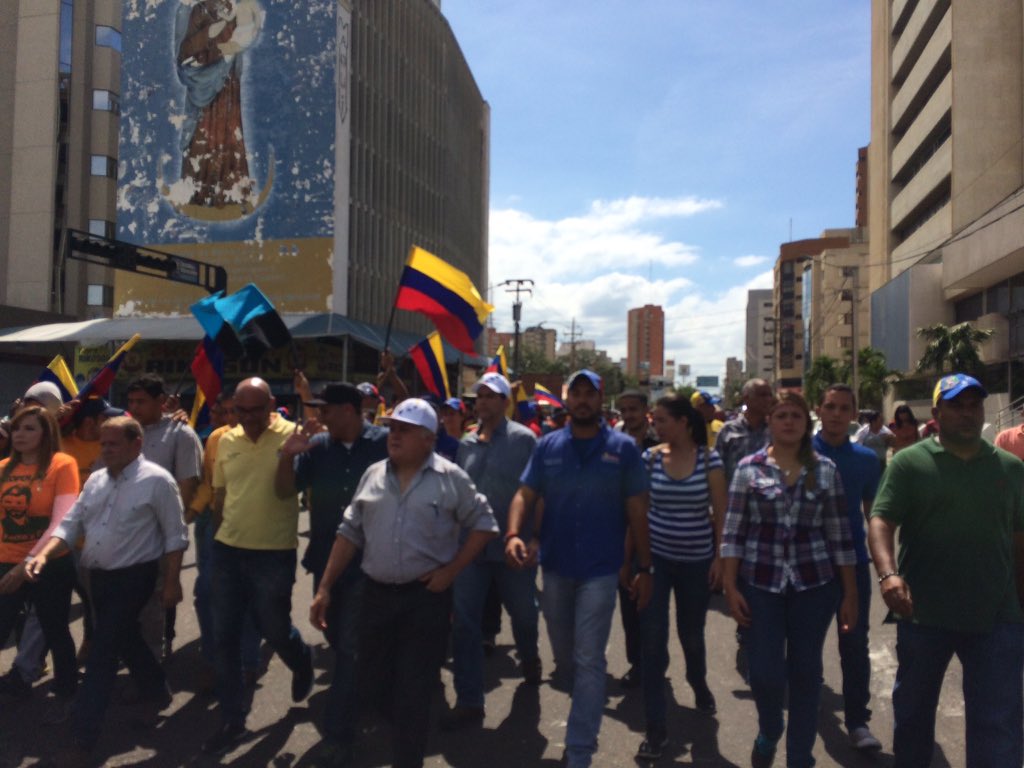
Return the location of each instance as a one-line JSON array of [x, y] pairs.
[[860, 471], [584, 485]]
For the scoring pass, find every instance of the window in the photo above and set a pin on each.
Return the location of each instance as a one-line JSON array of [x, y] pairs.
[[849, 271], [101, 228], [108, 37], [846, 294], [98, 295], [106, 101], [846, 342], [101, 165], [847, 318]]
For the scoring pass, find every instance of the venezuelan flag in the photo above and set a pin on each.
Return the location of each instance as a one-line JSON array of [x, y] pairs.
[[57, 372], [99, 385], [544, 395], [523, 404], [428, 356], [208, 368], [444, 294], [499, 364]]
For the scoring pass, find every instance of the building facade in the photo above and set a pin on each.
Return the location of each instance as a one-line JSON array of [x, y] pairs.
[[946, 182], [788, 301], [645, 342], [836, 300], [59, 112], [760, 337]]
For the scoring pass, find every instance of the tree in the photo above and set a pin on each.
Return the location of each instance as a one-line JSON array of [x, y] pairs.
[[875, 377], [824, 371], [953, 348]]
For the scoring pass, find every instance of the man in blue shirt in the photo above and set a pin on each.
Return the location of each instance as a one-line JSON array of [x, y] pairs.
[[859, 470], [591, 480], [329, 465], [494, 457]]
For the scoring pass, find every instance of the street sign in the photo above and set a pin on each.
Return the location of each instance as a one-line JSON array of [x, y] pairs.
[[707, 381]]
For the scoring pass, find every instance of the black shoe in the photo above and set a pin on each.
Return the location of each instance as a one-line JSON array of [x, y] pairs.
[[631, 679], [460, 717], [653, 746], [225, 739], [532, 672], [12, 684], [762, 755], [302, 678], [706, 701]]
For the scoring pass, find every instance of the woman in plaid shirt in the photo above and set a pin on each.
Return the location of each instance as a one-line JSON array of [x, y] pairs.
[[788, 561]]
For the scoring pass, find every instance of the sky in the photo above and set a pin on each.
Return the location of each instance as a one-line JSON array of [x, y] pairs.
[[660, 151]]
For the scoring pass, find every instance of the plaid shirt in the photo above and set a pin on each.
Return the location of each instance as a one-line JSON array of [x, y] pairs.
[[783, 536], [737, 439]]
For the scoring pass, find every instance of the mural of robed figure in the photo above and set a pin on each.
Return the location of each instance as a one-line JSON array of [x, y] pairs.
[[210, 37]]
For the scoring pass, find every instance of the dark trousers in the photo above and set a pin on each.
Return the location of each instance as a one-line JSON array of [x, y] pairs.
[[403, 641], [260, 582], [51, 596], [631, 628], [341, 710], [853, 656], [118, 597]]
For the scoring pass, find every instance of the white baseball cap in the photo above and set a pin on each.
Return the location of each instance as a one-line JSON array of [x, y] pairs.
[[495, 382], [414, 411]]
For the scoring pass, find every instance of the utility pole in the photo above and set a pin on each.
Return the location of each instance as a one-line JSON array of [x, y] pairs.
[[856, 338], [518, 286], [574, 335]]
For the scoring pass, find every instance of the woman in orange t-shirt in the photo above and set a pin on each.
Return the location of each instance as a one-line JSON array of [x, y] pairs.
[[38, 485]]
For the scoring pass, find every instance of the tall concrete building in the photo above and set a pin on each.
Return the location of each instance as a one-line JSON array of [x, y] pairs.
[[760, 339], [544, 340], [645, 342], [60, 76], [835, 299], [946, 181], [788, 300], [340, 134]]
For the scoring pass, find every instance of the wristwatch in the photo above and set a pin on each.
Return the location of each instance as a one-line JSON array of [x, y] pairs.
[[648, 569]]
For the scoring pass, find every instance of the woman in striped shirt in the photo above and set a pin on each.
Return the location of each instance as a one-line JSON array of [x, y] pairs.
[[788, 561], [687, 480]]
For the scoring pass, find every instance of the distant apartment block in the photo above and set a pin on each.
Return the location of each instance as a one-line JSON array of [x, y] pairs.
[[645, 342]]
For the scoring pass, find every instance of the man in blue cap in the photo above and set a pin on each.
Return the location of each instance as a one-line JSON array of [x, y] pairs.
[[592, 481], [957, 584]]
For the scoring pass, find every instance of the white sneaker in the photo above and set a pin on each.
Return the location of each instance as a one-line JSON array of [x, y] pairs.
[[862, 738]]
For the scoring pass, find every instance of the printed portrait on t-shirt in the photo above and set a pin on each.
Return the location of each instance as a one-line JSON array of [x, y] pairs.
[[17, 524]]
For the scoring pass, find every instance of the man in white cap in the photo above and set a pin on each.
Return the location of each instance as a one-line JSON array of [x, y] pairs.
[[494, 457], [408, 516]]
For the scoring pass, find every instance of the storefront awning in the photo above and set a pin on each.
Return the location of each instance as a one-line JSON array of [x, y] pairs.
[[185, 328]]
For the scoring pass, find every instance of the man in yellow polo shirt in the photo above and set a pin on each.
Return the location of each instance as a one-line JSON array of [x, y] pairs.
[[253, 556]]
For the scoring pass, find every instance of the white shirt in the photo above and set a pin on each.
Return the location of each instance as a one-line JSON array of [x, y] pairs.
[[134, 518]]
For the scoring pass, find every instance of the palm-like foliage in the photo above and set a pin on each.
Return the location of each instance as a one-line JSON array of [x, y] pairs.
[[824, 371], [875, 377], [952, 348]]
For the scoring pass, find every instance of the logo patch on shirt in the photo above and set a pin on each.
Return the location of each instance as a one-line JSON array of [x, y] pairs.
[[610, 458]]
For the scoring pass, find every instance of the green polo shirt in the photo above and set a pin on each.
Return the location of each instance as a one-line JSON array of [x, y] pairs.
[[254, 517], [957, 520]]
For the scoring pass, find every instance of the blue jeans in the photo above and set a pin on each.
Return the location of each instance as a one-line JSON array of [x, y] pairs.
[[784, 645], [341, 711], [257, 582], [689, 582], [118, 598], [579, 618], [993, 665], [518, 590], [204, 609], [853, 656]]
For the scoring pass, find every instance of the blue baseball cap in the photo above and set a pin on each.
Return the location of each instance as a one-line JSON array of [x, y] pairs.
[[593, 378], [455, 404], [950, 386], [700, 397]]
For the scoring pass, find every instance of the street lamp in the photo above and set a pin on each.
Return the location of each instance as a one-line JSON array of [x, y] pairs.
[[517, 286]]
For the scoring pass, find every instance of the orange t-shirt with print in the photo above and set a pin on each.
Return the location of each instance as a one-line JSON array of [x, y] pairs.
[[30, 506]]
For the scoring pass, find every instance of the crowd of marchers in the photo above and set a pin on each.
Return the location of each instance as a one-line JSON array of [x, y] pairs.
[[427, 518]]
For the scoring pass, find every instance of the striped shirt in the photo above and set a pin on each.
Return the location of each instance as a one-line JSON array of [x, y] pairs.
[[678, 517]]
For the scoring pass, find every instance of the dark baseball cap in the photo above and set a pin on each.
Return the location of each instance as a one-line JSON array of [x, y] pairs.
[[337, 393]]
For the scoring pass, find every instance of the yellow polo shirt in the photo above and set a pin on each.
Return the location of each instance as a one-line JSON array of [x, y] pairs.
[[254, 517]]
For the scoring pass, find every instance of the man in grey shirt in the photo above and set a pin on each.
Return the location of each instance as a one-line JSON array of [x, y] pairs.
[[175, 447], [131, 516], [408, 516], [494, 457]]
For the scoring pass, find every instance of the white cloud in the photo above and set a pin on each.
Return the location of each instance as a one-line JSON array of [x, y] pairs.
[[595, 267], [749, 261]]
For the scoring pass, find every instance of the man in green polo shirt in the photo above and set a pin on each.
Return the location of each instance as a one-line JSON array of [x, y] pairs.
[[253, 556], [955, 588]]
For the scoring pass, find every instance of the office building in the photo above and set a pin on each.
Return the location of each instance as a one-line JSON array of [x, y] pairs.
[[835, 296], [760, 336], [645, 342], [946, 182]]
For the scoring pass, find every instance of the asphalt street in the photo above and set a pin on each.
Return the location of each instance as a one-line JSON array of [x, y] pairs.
[[524, 726]]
